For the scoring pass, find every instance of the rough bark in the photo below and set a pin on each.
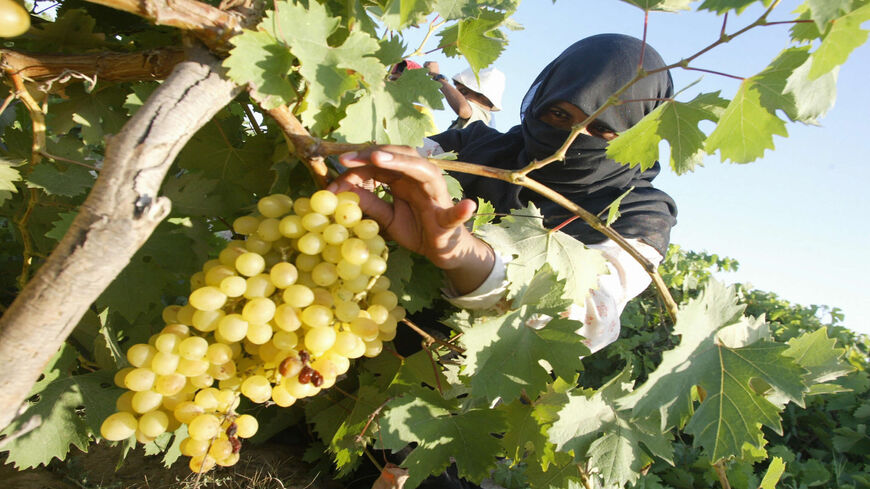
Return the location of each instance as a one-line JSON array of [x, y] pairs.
[[109, 66], [120, 213]]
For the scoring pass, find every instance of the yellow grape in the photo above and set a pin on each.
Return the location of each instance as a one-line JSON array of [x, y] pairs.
[[119, 426], [374, 266], [233, 327], [373, 348], [347, 213], [318, 340], [121, 374], [324, 274], [229, 254], [317, 316], [269, 230], [258, 246], [347, 270], [222, 371], [366, 229], [185, 315], [281, 397], [125, 402], [310, 243], [331, 253], [186, 411], [283, 275], [164, 363], [259, 333], [216, 274], [298, 296], [230, 460], [201, 463], [204, 427], [385, 298], [246, 225], [335, 234], [258, 286], [355, 251], [193, 348], [170, 384], [306, 263], [145, 401], [302, 206], [259, 310], [207, 298], [347, 196], [234, 286], [346, 343], [203, 381], [219, 353], [285, 340], [192, 367], [207, 321], [197, 280], [192, 448], [220, 449], [140, 379], [357, 284], [250, 264], [170, 313], [257, 388], [153, 423], [274, 205], [207, 399], [291, 226], [376, 245], [246, 426], [323, 202], [140, 354], [315, 222]]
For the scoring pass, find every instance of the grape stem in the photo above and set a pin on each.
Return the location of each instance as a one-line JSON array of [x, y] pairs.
[[360, 437], [723, 477], [429, 340]]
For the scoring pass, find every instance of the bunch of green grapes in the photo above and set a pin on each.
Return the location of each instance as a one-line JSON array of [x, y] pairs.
[[276, 317]]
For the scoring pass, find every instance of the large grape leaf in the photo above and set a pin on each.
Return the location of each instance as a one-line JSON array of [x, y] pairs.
[[399, 14], [260, 61], [72, 32], [523, 237], [824, 11], [529, 423], [812, 98], [817, 353], [64, 410], [442, 434], [839, 41], [661, 5], [563, 473], [98, 113], [193, 194], [746, 128], [722, 6], [330, 71], [477, 38], [595, 428], [677, 122], [8, 176], [457, 9], [732, 411], [771, 82], [74, 181], [414, 279]]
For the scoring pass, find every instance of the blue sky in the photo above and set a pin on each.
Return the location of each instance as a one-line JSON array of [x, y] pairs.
[[796, 220]]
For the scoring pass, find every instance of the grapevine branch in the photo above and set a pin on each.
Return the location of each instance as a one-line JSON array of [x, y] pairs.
[[429, 339], [119, 214]]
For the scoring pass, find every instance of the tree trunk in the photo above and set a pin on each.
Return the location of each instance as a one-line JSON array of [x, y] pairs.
[[120, 213]]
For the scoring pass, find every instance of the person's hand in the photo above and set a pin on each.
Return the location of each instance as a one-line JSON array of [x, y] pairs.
[[432, 66], [422, 216]]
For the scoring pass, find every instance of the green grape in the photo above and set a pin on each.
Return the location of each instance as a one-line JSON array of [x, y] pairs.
[[286, 317], [346, 311], [285, 340], [257, 245], [246, 225], [207, 298], [119, 426], [207, 321], [298, 296], [193, 448], [164, 363], [246, 426], [318, 340], [316, 316], [331, 253], [192, 368], [197, 280], [310, 243], [250, 264], [269, 230], [347, 270], [204, 427], [281, 397], [201, 464], [346, 343], [306, 263], [140, 379], [324, 202], [274, 205], [221, 448], [170, 314], [398, 313], [233, 286], [335, 234], [259, 310], [153, 423], [373, 348], [283, 275], [355, 251], [170, 384], [347, 213], [385, 298], [141, 354], [302, 206], [315, 222], [259, 333], [258, 286], [365, 328], [257, 388], [219, 353], [366, 229], [207, 399], [291, 226], [357, 284], [374, 266], [376, 245], [378, 313], [324, 274], [222, 371], [145, 401], [187, 411], [193, 348]]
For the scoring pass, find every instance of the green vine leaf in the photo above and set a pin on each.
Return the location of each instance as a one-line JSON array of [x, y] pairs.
[[825, 11], [562, 473], [442, 434], [478, 39], [414, 279], [8, 176], [399, 14], [812, 98], [722, 6], [732, 411], [259, 60], [61, 225], [458, 9], [74, 181], [594, 427], [523, 237], [661, 5], [839, 41]]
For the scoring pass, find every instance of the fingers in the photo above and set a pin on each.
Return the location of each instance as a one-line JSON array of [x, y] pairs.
[[371, 204], [458, 214], [396, 162]]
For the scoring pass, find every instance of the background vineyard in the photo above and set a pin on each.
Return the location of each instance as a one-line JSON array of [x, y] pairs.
[[65, 128]]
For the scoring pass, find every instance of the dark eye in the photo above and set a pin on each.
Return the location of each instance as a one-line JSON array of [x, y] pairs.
[[558, 113]]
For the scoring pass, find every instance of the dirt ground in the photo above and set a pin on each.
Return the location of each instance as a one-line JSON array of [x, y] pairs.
[[265, 466]]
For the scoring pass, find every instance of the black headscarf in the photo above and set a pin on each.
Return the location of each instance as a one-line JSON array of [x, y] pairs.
[[586, 75]]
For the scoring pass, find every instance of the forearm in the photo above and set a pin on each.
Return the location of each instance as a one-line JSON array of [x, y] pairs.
[[455, 100], [471, 268]]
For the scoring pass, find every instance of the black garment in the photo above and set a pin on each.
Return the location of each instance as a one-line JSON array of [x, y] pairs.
[[586, 75]]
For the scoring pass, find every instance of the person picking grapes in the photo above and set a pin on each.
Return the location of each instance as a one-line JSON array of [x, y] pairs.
[[424, 219]]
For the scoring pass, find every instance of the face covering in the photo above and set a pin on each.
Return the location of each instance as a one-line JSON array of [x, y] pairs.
[[586, 74]]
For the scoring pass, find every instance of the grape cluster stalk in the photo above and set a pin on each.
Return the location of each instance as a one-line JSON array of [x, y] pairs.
[[276, 317]]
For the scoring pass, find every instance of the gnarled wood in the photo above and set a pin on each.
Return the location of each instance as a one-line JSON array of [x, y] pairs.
[[120, 213], [155, 64]]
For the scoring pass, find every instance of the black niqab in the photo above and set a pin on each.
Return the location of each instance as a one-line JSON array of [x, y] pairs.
[[586, 75]]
